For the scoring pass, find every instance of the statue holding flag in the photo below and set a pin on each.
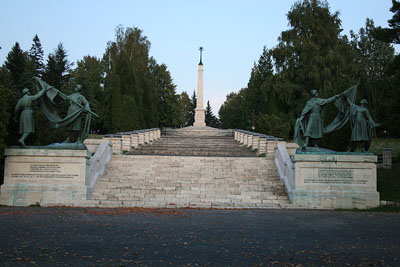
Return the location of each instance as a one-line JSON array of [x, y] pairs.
[[23, 107], [310, 124], [79, 108], [77, 101]]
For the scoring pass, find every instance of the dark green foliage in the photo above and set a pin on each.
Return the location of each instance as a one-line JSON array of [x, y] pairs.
[[90, 74], [373, 57], [116, 105], [193, 105], [57, 69], [186, 107], [36, 55], [231, 113], [392, 35], [311, 54], [145, 88], [5, 109], [388, 184], [211, 119], [19, 67]]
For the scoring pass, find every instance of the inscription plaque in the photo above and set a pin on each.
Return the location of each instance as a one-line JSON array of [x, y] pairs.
[[44, 171], [334, 176]]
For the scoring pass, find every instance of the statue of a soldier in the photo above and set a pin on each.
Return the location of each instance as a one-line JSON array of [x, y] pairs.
[[24, 106], [362, 125], [76, 102], [311, 121]]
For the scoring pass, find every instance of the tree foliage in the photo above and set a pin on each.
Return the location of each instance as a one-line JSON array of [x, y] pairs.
[[312, 54], [210, 119]]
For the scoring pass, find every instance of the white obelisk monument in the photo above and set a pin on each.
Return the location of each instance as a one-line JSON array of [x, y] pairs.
[[200, 112]]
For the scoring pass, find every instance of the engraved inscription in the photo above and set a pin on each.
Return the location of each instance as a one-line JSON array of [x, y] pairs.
[[335, 173], [53, 168], [44, 171], [43, 175], [334, 176]]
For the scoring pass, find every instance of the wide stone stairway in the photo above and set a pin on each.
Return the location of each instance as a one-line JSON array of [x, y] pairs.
[[191, 167], [194, 142]]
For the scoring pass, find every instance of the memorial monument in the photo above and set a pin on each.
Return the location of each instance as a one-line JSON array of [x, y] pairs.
[[51, 174], [329, 179], [200, 112]]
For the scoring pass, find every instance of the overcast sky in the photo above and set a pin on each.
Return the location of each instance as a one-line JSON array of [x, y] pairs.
[[232, 32]]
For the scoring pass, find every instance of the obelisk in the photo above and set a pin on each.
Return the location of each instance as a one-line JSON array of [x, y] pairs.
[[200, 112]]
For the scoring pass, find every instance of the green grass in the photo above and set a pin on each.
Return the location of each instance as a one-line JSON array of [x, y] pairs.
[[378, 144], [95, 136], [389, 184]]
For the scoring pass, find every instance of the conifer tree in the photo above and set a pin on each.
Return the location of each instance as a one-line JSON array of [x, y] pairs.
[[193, 105], [210, 119], [36, 54]]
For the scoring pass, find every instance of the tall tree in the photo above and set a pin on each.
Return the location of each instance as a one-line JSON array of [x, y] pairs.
[[193, 105], [17, 63], [185, 106], [231, 113], [210, 119], [392, 35], [312, 54], [57, 69], [36, 54], [374, 57], [89, 72]]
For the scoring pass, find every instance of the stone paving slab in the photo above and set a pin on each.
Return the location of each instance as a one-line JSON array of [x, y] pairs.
[[182, 237]]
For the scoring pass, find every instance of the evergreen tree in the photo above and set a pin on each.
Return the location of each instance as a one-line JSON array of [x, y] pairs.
[[57, 69], [231, 113], [210, 119], [193, 105], [185, 106], [36, 55], [18, 66], [258, 88], [90, 74]]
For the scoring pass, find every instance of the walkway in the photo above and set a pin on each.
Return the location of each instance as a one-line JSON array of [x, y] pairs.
[[123, 237]]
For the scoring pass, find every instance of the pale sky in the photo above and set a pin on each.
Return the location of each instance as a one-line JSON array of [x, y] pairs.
[[232, 32]]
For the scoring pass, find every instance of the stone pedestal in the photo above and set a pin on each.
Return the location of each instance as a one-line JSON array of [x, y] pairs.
[[335, 181], [199, 117], [44, 176]]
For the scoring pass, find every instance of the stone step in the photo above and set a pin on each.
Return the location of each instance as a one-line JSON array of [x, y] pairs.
[[193, 153], [163, 181], [186, 145]]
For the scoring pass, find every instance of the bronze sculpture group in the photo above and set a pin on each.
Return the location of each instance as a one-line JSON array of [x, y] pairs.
[[310, 127], [79, 108]]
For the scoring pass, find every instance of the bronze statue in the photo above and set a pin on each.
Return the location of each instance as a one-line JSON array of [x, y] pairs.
[[26, 121], [362, 125], [311, 121], [77, 102]]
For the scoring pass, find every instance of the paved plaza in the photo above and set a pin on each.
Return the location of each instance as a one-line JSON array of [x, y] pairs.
[[159, 237]]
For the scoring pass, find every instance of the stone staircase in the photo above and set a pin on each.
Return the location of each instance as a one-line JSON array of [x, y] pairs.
[[191, 168], [195, 141]]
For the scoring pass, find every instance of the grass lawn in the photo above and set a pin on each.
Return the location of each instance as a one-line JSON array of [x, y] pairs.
[[95, 136], [378, 143]]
